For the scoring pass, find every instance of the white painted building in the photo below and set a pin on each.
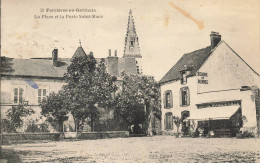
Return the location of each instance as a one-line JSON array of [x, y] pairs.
[[212, 88]]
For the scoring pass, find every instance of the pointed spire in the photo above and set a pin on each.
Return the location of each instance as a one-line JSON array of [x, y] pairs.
[[131, 39], [131, 25]]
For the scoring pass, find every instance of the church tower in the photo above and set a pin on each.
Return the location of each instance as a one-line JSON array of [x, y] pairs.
[[132, 49]]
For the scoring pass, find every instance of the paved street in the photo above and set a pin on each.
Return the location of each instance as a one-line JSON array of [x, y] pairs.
[[139, 149]]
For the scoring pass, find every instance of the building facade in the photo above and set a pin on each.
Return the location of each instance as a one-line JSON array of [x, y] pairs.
[[211, 90], [33, 79]]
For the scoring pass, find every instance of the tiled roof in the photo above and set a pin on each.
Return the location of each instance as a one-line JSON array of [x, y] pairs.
[[34, 67], [193, 60]]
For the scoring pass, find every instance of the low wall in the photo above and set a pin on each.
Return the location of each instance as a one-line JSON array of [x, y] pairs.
[[10, 138], [102, 135], [13, 138]]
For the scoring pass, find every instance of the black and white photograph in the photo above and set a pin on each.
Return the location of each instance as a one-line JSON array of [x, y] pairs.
[[130, 81]]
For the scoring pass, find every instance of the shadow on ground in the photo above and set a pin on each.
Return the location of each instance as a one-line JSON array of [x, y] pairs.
[[11, 156]]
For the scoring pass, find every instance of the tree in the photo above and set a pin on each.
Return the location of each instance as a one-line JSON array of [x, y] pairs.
[[139, 99], [52, 108], [14, 116], [88, 86], [103, 91], [178, 122]]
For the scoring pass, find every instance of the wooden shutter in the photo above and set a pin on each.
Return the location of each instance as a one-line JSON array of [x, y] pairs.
[[188, 96], [180, 97], [164, 99], [171, 100], [171, 118], [164, 121]]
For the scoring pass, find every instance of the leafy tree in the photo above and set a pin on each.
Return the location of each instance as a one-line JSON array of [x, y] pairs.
[[52, 108], [88, 86], [14, 116], [138, 101], [178, 122]]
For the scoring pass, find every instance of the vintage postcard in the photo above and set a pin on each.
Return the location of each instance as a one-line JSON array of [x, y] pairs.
[[130, 81]]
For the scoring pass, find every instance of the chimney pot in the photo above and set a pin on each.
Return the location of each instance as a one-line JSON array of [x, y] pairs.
[[115, 53], [55, 57], [215, 38], [109, 52]]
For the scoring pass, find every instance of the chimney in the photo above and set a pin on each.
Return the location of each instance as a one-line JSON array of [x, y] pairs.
[[109, 52], [115, 53], [55, 57], [215, 38]]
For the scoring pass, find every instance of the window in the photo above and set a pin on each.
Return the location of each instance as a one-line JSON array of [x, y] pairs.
[[168, 99], [168, 121], [132, 43], [183, 78], [184, 96], [18, 95], [41, 94]]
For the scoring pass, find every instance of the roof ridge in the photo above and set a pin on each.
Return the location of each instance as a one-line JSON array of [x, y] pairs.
[[197, 50]]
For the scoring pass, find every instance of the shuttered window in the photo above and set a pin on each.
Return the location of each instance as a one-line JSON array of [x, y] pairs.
[[168, 100], [184, 96]]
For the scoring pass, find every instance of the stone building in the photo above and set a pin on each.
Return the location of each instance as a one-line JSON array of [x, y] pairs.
[[33, 79], [211, 89]]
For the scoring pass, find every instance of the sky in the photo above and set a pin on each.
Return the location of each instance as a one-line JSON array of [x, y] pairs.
[[166, 29]]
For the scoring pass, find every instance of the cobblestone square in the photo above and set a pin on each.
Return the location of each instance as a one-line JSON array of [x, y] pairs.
[[157, 149]]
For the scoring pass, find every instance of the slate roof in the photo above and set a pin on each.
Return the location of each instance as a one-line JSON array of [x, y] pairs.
[[193, 60], [43, 67], [33, 67], [79, 52]]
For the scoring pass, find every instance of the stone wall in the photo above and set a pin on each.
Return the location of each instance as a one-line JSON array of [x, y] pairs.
[[11, 138], [102, 135]]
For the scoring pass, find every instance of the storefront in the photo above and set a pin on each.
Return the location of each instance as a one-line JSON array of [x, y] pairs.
[[214, 121]]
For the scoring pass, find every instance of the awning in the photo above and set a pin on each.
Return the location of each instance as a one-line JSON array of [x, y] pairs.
[[214, 113]]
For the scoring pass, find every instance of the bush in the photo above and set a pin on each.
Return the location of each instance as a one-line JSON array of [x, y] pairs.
[[14, 116], [8, 126], [32, 128]]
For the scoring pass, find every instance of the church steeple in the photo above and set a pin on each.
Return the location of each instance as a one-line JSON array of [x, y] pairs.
[[132, 49]]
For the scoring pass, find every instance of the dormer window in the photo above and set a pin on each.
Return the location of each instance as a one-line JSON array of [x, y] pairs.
[[183, 78], [185, 71]]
